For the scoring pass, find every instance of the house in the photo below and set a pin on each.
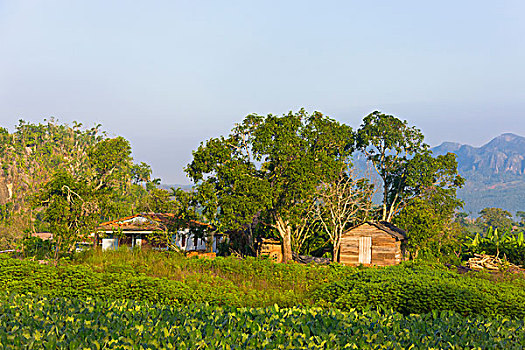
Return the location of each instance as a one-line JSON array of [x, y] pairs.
[[373, 243], [141, 230]]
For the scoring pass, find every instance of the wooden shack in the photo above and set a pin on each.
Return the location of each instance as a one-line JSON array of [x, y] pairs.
[[271, 248], [373, 243]]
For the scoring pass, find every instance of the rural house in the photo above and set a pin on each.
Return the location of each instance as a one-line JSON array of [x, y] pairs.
[[373, 243], [139, 230]]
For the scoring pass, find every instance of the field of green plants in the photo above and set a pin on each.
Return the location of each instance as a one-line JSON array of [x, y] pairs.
[[155, 300], [175, 280], [60, 323]]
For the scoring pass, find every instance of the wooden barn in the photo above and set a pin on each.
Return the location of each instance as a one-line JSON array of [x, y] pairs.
[[373, 243]]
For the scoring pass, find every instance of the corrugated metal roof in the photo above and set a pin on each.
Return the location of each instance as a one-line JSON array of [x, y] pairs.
[[151, 221]]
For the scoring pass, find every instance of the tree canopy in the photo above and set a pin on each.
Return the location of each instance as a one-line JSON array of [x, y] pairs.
[[404, 162], [267, 170]]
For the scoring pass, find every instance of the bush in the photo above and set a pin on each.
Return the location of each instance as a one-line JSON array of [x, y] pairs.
[[411, 288], [418, 288]]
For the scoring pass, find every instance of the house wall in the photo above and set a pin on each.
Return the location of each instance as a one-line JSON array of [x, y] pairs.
[[183, 239], [109, 243], [385, 249]]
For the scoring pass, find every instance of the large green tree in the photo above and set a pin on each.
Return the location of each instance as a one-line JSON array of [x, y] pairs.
[[71, 208], [404, 162], [495, 218], [428, 220], [266, 171]]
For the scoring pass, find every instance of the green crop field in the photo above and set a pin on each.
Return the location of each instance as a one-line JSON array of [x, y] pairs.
[[151, 300], [30, 322]]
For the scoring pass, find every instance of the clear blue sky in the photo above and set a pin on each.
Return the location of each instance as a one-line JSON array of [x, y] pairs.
[[170, 74]]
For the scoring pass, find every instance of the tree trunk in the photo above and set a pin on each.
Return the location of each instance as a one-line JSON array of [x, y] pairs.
[[335, 250], [284, 230], [209, 244], [287, 246]]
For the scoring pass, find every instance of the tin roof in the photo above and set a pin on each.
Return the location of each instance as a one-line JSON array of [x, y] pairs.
[[145, 222]]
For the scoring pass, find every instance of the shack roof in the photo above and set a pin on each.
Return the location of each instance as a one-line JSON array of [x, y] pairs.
[[145, 222], [45, 236], [385, 226]]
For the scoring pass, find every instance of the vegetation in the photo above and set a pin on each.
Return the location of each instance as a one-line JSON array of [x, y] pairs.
[[288, 176], [174, 280], [495, 218], [404, 163], [59, 323], [266, 172]]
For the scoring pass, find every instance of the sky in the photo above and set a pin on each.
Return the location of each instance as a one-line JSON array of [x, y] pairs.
[[168, 75]]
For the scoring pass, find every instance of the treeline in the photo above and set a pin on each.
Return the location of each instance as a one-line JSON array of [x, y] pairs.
[[292, 177], [289, 177]]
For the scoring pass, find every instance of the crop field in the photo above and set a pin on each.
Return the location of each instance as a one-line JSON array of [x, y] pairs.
[[36, 322], [148, 300], [408, 289]]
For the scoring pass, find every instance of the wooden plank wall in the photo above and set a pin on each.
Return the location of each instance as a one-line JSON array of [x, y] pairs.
[[385, 249]]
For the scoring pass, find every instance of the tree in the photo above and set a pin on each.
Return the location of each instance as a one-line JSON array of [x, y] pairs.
[[342, 203], [521, 216], [30, 156], [266, 171], [495, 218], [461, 218], [428, 220], [71, 210], [110, 160], [404, 162]]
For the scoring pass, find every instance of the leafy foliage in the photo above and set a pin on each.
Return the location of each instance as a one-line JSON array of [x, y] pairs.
[[58, 323], [496, 218], [431, 231], [410, 288], [32, 154], [404, 162], [502, 243], [416, 288], [267, 170]]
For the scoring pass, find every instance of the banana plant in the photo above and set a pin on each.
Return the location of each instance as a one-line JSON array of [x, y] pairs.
[[493, 238]]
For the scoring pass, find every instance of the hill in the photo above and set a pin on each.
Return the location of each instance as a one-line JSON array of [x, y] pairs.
[[495, 172]]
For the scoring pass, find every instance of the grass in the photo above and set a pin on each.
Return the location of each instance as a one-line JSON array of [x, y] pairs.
[[273, 282]]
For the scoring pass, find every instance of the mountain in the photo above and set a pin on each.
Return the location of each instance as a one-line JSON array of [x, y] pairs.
[[495, 172]]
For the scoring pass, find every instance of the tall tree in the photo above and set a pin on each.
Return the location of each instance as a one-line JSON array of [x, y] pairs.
[[71, 208], [267, 170], [404, 162]]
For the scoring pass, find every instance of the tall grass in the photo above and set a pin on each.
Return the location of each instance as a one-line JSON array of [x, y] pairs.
[[249, 275]]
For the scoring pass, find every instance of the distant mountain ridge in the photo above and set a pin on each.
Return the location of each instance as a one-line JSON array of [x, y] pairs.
[[503, 154], [495, 172]]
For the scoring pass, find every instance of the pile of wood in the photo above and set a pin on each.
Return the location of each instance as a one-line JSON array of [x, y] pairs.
[[489, 262], [305, 259]]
